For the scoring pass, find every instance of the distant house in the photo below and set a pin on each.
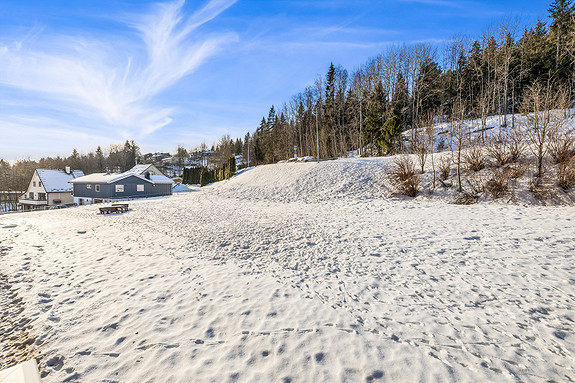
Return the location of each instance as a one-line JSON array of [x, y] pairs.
[[49, 187], [139, 182]]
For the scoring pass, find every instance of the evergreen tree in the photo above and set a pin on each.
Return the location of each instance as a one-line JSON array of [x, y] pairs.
[[99, 159], [389, 138], [374, 117], [430, 87], [258, 139], [562, 13], [401, 100]]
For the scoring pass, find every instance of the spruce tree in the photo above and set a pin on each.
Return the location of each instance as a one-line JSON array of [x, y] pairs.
[[374, 117]]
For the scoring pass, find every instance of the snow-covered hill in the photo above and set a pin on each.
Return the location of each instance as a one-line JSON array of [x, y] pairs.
[[357, 178], [367, 178]]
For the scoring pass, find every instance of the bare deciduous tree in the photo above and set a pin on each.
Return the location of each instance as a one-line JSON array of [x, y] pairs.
[[544, 111]]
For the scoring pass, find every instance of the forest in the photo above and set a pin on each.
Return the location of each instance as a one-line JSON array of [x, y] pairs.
[[407, 87]]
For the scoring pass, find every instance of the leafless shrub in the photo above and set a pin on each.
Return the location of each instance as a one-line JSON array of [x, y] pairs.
[[476, 184], [403, 176], [465, 199], [516, 171], [498, 184], [516, 146], [507, 147], [562, 148], [540, 187], [499, 150], [474, 158], [445, 170], [566, 175]]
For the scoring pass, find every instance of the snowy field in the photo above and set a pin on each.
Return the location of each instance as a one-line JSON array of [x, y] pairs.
[[319, 278]]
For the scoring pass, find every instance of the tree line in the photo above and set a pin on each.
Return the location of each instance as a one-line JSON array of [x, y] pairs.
[[367, 110], [115, 158]]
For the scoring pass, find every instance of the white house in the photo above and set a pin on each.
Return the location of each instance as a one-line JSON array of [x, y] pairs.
[[49, 187]]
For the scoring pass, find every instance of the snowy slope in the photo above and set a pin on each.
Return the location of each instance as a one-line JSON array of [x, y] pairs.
[[358, 178], [315, 279]]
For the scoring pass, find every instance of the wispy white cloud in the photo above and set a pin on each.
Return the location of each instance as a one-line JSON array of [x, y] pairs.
[[443, 3], [109, 82]]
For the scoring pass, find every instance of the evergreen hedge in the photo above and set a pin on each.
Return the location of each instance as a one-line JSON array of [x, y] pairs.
[[202, 175]]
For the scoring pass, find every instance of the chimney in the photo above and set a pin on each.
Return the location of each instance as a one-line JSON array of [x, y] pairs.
[[67, 170], [147, 175]]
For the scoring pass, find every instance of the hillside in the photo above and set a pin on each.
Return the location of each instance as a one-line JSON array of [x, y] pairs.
[[367, 178]]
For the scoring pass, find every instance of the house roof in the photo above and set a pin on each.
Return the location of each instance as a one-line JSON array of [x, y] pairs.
[[57, 180], [142, 169], [139, 169], [110, 178]]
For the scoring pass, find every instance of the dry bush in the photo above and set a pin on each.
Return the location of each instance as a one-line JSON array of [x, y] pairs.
[[541, 188], [562, 148], [516, 152], [498, 184], [474, 158], [403, 176], [566, 175], [499, 151], [444, 170], [476, 184], [465, 199], [507, 148], [516, 171]]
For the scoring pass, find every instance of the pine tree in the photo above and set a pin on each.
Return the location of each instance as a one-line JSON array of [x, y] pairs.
[[258, 139], [389, 136], [99, 159], [561, 30], [374, 117]]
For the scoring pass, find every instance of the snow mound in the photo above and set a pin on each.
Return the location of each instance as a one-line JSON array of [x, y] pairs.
[[182, 188], [356, 178]]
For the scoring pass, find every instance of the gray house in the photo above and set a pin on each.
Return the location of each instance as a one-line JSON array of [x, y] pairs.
[[105, 187]]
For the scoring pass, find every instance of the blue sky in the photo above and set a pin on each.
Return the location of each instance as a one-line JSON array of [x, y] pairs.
[[78, 74]]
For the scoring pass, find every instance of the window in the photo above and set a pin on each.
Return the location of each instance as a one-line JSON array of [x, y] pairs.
[[119, 188], [42, 196], [34, 183], [97, 188], [140, 188], [31, 195], [89, 186], [40, 183]]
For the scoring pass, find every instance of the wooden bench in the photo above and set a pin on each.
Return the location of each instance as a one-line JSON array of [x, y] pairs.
[[110, 210], [121, 206]]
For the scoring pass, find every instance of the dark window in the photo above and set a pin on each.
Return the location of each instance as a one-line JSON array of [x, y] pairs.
[[42, 196]]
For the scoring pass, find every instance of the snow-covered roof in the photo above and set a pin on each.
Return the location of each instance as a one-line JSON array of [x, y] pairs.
[[142, 169], [139, 169], [159, 179], [109, 178], [57, 180]]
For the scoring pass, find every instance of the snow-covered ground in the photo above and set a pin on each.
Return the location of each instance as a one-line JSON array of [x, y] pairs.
[[296, 272]]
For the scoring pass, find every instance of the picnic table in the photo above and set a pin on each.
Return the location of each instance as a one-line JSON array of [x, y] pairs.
[[121, 206], [114, 209]]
